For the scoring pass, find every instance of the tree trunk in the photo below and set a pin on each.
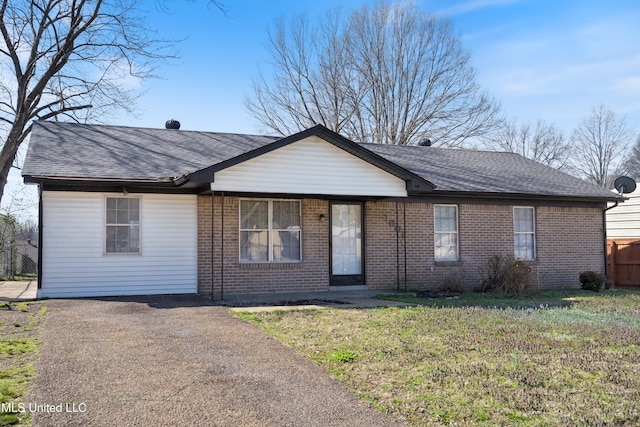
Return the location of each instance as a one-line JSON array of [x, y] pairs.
[[8, 154]]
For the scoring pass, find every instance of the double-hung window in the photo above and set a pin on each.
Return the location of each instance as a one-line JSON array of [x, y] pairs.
[[269, 230], [122, 225], [446, 232], [524, 240]]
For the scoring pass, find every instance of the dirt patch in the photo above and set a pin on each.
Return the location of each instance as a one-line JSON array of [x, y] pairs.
[[301, 302], [436, 294]]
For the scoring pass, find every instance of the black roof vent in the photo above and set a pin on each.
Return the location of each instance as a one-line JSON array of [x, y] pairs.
[[425, 142], [172, 124]]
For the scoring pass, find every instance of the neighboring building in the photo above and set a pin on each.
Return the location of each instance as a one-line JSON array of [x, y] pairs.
[[623, 234], [130, 211], [623, 221]]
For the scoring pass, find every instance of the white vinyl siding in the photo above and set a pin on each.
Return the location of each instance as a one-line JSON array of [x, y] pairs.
[[74, 260], [623, 221], [309, 166], [446, 232], [524, 240]]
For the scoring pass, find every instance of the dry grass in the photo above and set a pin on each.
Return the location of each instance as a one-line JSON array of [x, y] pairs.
[[571, 361]]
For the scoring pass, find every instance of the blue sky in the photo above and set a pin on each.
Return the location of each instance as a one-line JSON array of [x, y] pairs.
[[553, 60], [550, 60]]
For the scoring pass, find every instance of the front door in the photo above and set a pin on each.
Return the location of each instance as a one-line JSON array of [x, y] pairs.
[[346, 244]]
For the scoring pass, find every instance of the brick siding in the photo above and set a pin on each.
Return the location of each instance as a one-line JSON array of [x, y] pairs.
[[568, 240], [310, 274]]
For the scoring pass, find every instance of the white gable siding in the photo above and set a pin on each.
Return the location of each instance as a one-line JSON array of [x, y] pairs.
[[73, 254], [623, 221], [309, 166]]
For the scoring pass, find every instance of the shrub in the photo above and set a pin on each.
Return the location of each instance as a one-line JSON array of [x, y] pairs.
[[592, 281], [518, 277], [494, 274], [504, 273], [451, 284]]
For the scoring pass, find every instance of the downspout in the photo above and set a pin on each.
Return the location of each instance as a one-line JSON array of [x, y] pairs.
[[397, 249], [40, 233], [404, 236], [212, 240], [604, 237], [222, 247]]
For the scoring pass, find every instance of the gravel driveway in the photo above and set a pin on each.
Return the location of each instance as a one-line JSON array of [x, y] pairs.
[[177, 361]]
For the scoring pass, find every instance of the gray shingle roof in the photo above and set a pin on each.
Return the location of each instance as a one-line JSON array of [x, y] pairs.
[[69, 150], [486, 171], [96, 152]]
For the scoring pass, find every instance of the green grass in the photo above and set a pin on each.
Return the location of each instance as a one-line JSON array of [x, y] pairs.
[[555, 358], [20, 328]]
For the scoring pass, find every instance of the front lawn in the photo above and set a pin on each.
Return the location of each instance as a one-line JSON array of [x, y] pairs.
[[20, 329], [559, 358]]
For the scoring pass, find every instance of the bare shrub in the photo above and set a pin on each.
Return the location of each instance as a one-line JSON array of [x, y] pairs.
[[504, 273], [451, 284]]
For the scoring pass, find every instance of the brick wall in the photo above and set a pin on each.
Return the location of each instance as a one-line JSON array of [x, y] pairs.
[[311, 274], [568, 240]]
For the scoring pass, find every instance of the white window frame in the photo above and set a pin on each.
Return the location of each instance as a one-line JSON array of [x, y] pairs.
[[269, 230], [105, 225], [457, 234], [531, 233]]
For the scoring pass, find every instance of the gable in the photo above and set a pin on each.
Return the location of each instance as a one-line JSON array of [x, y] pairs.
[[309, 166]]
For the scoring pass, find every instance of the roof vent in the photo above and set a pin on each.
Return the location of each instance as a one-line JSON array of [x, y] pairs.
[[172, 124], [425, 142]]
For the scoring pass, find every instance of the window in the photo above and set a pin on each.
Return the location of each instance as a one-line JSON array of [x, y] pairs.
[[123, 225], [446, 232], [524, 233], [269, 230]]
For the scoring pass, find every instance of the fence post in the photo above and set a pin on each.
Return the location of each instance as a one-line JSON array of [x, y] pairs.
[[613, 257]]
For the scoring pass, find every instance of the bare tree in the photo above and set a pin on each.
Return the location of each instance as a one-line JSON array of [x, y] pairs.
[[385, 74], [600, 142], [632, 163], [60, 58], [543, 142], [314, 85], [73, 60]]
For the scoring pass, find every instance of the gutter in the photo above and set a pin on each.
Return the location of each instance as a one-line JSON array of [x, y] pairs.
[[513, 196], [604, 238], [36, 179]]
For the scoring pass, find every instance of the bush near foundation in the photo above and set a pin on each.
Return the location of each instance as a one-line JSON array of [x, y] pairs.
[[592, 281], [505, 273], [451, 284]]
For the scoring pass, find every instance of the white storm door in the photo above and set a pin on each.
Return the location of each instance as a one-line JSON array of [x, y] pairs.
[[346, 244]]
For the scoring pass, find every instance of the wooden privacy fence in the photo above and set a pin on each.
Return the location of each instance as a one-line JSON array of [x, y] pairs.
[[623, 256]]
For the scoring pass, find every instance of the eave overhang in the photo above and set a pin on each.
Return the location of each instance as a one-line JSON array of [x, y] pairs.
[[109, 185], [540, 198]]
